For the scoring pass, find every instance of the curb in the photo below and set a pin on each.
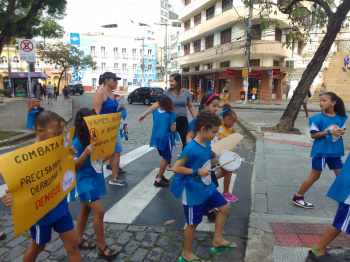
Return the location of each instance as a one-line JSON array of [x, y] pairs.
[[27, 135]]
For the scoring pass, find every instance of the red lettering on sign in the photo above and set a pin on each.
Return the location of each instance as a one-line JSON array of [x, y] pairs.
[[42, 201]]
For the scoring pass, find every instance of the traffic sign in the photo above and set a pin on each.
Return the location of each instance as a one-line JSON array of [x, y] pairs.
[[129, 83], [269, 72], [26, 49]]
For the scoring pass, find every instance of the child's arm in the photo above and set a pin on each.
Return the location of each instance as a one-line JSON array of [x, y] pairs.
[[173, 127], [180, 168], [190, 136], [338, 132], [7, 198], [89, 150], [148, 111]]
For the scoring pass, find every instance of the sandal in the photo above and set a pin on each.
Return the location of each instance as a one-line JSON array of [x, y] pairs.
[[2, 236], [111, 254], [215, 250], [181, 259], [90, 245], [313, 256]]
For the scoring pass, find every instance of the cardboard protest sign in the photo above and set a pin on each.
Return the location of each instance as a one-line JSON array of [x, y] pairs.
[[39, 176], [103, 132], [227, 143]]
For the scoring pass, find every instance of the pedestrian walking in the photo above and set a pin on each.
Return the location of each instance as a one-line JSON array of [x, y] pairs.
[[104, 102], [47, 125], [346, 63], [327, 129], [197, 197], [37, 90], [49, 89], [55, 91], [43, 90], [306, 99], [65, 92], [181, 98], [90, 186], [162, 138], [323, 89], [224, 95]]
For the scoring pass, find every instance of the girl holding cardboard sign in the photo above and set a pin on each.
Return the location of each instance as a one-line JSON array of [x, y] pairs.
[[48, 125]]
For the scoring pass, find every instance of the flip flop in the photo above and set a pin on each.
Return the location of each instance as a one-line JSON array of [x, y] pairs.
[[314, 256], [90, 245], [215, 250], [181, 259]]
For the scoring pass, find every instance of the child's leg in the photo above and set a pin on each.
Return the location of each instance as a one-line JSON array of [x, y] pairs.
[[336, 171], [162, 168], [219, 227], [187, 253], [227, 181], [33, 252], [82, 220], [327, 238], [313, 177], [70, 243]]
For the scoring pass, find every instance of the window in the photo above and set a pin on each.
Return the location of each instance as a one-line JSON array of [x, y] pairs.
[[134, 82], [187, 49], [47, 60], [225, 64], [103, 65], [125, 82], [37, 62], [115, 50], [226, 36], [116, 65], [209, 42], [4, 60], [92, 48], [166, 14], [124, 50], [210, 12], [134, 51], [162, 20], [197, 45], [134, 67], [226, 5], [196, 68], [254, 62], [276, 63], [163, 4], [187, 25], [187, 2], [256, 32], [15, 59], [124, 67], [94, 83], [186, 69], [197, 19], [150, 69], [149, 52], [278, 34]]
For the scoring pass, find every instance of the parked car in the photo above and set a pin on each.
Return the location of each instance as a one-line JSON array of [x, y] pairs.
[[146, 95], [77, 88], [131, 88]]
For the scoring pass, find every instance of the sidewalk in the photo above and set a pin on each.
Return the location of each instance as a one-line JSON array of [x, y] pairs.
[[278, 230]]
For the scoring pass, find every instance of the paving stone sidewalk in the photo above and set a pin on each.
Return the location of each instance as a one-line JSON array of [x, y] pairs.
[[135, 243]]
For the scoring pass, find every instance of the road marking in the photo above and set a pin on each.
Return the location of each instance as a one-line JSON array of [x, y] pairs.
[[130, 206], [129, 157], [205, 225]]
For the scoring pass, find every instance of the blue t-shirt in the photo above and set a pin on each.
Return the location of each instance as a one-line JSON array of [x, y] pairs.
[[161, 133], [327, 146], [191, 126], [90, 174], [197, 192], [55, 214], [346, 60]]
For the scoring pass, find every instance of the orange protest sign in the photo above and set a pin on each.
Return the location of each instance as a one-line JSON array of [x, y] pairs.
[[103, 132], [39, 176]]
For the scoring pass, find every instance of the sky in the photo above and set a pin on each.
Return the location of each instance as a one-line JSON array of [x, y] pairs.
[[86, 15]]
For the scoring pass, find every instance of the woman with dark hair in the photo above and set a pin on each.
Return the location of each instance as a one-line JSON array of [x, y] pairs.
[[181, 98], [104, 102]]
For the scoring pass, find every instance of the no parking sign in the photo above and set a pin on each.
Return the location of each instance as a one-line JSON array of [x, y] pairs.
[[26, 49]]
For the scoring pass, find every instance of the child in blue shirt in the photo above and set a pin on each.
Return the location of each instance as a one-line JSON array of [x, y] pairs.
[[163, 135], [327, 129], [48, 124], [197, 197], [90, 186]]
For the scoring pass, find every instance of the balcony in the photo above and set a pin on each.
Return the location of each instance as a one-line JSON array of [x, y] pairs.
[[194, 8], [261, 47]]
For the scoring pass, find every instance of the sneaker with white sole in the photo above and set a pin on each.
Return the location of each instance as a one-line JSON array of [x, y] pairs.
[[301, 202], [117, 182], [230, 198]]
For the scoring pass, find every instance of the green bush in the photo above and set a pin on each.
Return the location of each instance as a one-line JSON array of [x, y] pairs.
[[5, 92]]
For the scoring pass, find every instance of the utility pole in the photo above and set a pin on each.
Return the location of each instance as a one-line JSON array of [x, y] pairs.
[[247, 51], [165, 50], [143, 59], [9, 70]]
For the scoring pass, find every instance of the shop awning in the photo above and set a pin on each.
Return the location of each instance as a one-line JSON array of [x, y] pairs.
[[25, 75]]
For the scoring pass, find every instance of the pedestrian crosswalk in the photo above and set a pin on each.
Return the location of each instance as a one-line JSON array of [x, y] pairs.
[[128, 204]]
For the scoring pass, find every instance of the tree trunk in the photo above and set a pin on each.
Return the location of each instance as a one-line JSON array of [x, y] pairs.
[[59, 80], [286, 123]]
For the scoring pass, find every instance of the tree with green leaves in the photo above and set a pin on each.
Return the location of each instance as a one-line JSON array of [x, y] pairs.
[[305, 16], [66, 56], [30, 18]]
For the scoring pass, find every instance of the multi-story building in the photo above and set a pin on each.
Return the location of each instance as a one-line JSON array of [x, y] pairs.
[[213, 40]]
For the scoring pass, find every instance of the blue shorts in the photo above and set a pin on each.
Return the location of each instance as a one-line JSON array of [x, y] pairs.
[[166, 153], [89, 196], [118, 147], [50, 96], [195, 214], [42, 234], [319, 163], [342, 218]]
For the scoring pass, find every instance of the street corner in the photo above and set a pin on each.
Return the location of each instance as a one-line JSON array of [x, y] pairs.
[[260, 245]]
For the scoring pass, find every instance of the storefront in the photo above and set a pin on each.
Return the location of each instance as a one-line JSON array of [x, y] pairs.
[[224, 81], [19, 82]]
